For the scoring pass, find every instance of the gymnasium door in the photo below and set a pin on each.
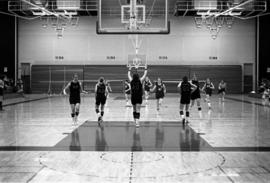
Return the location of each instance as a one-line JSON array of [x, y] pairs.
[[25, 76], [248, 78]]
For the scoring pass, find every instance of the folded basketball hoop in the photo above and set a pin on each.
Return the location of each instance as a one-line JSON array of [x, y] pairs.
[[138, 17]]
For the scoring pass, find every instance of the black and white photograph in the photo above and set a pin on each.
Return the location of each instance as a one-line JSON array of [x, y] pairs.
[[135, 91]]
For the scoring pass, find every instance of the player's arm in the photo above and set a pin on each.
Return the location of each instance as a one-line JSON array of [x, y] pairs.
[[129, 74], [144, 74], [150, 83], [204, 86], [179, 85], [153, 89], [164, 88], [212, 86], [96, 88], [193, 87], [126, 90], [82, 91], [106, 90], [64, 90]]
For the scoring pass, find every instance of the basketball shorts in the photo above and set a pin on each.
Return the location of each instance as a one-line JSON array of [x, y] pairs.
[[101, 99], [208, 92], [147, 88], [74, 100], [185, 100], [221, 90], [160, 95], [195, 95], [136, 100]]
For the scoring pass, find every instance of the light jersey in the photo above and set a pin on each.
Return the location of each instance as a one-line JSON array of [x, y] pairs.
[[136, 88], [101, 89], [185, 89], [222, 86], [2, 84], [147, 84], [127, 86], [75, 89], [208, 86]]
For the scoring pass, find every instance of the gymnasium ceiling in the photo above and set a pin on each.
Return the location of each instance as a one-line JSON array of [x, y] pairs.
[[90, 7]]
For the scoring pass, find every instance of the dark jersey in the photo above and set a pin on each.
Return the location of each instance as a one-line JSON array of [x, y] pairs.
[[136, 88], [147, 85], [208, 89], [75, 89], [196, 83], [101, 89], [185, 89], [160, 90], [196, 94], [185, 93]]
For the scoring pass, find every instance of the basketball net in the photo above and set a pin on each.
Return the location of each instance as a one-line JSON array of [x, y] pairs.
[[133, 25]]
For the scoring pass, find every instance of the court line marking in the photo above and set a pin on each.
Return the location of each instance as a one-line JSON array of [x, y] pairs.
[[35, 174], [131, 166], [26, 101], [245, 101], [221, 169]]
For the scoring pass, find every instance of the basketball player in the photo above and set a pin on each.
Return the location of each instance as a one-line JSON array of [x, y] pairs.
[[186, 88], [75, 90], [108, 87], [208, 89], [127, 91], [136, 93], [2, 86], [222, 90], [196, 96], [160, 89], [147, 85], [101, 91]]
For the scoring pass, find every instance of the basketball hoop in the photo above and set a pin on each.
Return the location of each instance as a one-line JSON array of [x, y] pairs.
[[136, 61]]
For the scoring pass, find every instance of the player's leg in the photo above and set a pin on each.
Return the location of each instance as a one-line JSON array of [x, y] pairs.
[[158, 107], [208, 100], [77, 111], [187, 113], [103, 103], [181, 112], [72, 107], [223, 96], [160, 102], [192, 103], [138, 114], [146, 96], [126, 96], [198, 101], [97, 104], [134, 113]]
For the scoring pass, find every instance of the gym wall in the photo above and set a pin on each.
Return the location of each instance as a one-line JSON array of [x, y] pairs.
[[186, 45]]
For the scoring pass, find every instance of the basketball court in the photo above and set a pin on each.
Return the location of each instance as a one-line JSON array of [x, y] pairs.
[[47, 41]]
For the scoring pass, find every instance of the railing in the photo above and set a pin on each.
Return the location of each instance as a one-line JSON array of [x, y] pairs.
[[183, 5], [86, 5]]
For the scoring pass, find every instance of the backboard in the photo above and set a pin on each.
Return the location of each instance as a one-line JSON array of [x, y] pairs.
[[133, 17]]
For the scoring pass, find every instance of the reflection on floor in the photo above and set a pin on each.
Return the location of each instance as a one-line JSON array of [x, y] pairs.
[[229, 143], [123, 136]]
